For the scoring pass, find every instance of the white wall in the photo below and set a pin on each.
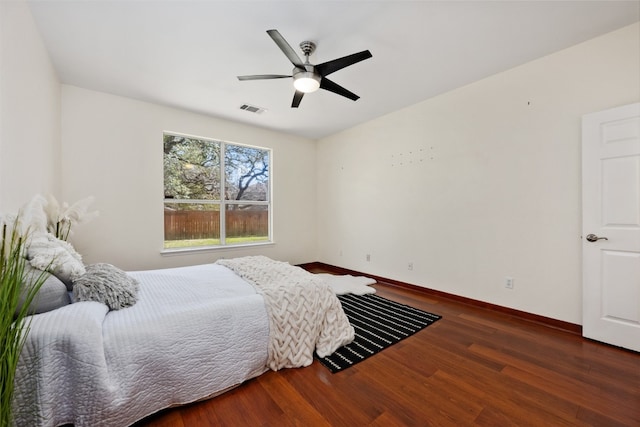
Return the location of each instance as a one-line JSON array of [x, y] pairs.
[[471, 186], [29, 111], [112, 149], [479, 183]]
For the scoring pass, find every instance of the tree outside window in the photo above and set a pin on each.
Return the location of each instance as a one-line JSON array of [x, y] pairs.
[[215, 193]]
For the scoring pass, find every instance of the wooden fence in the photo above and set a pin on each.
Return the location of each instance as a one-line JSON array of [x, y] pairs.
[[187, 225]]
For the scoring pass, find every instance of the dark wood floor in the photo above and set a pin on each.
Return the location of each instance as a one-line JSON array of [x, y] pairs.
[[473, 367]]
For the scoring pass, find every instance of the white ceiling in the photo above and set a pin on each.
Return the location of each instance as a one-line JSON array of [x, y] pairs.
[[187, 54]]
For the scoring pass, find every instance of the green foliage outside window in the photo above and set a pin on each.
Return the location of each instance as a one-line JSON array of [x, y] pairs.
[[215, 193]]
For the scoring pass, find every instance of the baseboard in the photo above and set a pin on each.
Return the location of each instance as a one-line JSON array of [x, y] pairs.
[[542, 320]]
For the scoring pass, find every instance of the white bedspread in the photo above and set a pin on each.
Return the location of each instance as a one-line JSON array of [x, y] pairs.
[[194, 332]]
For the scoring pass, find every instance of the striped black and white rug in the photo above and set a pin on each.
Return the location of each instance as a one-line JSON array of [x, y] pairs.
[[378, 323]]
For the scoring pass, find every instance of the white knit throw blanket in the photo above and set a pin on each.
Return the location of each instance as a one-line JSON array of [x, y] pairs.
[[304, 313]]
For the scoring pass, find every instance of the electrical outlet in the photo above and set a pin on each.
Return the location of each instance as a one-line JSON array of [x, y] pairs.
[[410, 266], [508, 282], [368, 257]]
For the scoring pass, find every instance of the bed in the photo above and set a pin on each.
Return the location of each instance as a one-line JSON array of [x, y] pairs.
[[193, 333]]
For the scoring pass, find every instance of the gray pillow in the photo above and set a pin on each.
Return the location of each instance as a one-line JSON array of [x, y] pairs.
[[107, 284], [52, 294]]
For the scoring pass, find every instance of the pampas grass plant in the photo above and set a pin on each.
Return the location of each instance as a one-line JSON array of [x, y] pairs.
[[14, 323], [60, 217]]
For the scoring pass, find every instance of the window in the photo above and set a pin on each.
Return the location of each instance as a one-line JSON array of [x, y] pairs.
[[215, 193]]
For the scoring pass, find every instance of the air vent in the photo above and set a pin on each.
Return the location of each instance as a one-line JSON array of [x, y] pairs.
[[252, 109]]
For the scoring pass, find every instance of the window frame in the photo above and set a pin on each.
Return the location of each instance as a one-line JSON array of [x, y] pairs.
[[222, 203]]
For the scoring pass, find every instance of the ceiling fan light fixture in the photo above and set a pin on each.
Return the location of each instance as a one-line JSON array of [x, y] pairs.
[[306, 82], [307, 77]]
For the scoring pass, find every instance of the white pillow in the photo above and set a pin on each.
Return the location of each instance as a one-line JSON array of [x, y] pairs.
[[46, 252]]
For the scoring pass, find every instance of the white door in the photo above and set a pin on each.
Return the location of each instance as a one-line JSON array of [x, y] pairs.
[[611, 226]]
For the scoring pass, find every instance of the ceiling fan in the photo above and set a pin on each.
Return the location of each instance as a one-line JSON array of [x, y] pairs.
[[307, 77]]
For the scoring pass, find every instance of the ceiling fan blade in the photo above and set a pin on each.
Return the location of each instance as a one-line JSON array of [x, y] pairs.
[[329, 67], [297, 97], [263, 77], [286, 48], [327, 84]]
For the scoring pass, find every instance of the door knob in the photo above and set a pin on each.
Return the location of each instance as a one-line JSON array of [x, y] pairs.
[[594, 238]]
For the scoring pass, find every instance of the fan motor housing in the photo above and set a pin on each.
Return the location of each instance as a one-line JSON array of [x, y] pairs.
[[307, 47]]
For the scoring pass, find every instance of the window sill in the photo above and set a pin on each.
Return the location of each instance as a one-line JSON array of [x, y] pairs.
[[185, 251]]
